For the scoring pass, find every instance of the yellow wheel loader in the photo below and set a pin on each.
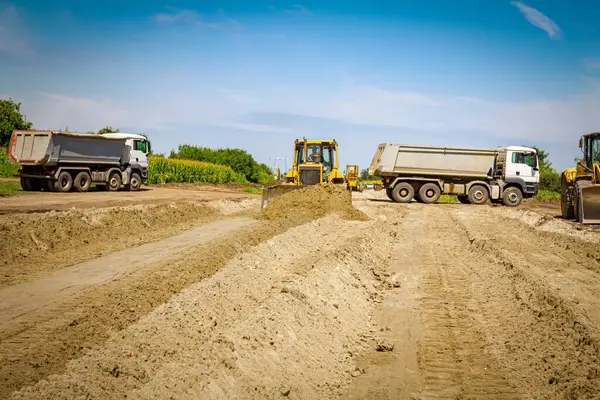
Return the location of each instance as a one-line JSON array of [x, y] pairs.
[[580, 185], [352, 182], [315, 162]]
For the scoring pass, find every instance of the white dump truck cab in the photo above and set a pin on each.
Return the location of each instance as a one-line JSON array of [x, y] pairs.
[[135, 152], [519, 166]]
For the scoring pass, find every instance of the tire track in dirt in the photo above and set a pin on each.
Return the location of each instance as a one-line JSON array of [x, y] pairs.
[[544, 338], [451, 353], [282, 320]]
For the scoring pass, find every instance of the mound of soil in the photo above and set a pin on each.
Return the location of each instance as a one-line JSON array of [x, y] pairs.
[[34, 244], [313, 202]]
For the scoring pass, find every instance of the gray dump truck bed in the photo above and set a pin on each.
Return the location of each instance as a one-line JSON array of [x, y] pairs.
[[432, 161], [49, 148]]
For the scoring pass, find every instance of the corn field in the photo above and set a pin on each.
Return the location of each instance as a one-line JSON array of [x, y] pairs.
[[164, 170]]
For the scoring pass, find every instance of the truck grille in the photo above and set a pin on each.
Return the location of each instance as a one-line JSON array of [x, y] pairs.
[[310, 175]]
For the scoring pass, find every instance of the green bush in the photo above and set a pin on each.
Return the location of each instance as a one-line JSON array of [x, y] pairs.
[[548, 195], [7, 170], [549, 179], [239, 160], [164, 170]]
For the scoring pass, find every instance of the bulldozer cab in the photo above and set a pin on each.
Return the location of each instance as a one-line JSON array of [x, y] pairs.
[[315, 162], [580, 195], [590, 147], [316, 153]]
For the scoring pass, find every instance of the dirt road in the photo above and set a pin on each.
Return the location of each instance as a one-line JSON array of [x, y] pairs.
[[43, 201], [419, 301]]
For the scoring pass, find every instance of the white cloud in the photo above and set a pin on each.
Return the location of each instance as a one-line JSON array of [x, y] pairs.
[[194, 18], [298, 9], [538, 19], [14, 38]]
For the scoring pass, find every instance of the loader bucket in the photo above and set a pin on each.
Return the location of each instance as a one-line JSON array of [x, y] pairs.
[[590, 204], [271, 192]]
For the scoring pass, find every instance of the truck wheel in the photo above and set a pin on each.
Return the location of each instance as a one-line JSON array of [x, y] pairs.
[[26, 184], [36, 184], [512, 197], [64, 183], [114, 182], [478, 194], [463, 199], [388, 192], [135, 182], [403, 192], [430, 193], [83, 181]]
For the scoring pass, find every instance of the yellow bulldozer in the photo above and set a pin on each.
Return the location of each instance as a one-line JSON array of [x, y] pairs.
[[315, 162], [580, 185], [352, 179]]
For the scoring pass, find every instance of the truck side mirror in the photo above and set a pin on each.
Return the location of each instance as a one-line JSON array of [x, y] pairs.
[[580, 143]]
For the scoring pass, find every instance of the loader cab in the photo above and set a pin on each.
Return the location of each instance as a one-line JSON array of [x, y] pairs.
[[590, 147]]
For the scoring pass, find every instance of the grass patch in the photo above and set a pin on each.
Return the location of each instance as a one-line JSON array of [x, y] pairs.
[[10, 188], [448, 199], [7, 170], [547, 196], [166, 170], [252, 190]]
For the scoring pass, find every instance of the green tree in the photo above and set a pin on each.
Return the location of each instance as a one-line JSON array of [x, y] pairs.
[[11, 119], [107, 129], [364, 175], [549, 177], [239, 160]]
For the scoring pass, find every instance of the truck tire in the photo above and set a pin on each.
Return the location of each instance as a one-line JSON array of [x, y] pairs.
[[114, 182], [478, 194], [388, 192], [64, 183], [83, 181], [26, 184], [36, 184], [512, 197], [430, 193], [135, 182], [463, 199], [403, 192]]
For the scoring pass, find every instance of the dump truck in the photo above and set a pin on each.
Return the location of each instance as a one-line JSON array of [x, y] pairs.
[[315, 162], [503, 175], [352, 181], [59, 161], [580, 185]]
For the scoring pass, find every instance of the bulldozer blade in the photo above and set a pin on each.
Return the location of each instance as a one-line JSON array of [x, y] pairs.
[[590, 204], [271, 192]]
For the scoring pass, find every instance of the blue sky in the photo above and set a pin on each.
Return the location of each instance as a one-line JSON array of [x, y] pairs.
[[258, 74]]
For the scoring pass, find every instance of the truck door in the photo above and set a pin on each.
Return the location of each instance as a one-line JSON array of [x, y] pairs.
[[523, 165], [138, 152]]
